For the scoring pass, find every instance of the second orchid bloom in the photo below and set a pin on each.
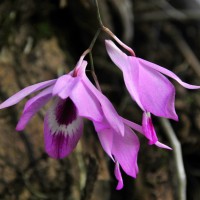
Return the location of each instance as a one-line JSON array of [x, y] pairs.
[[148, 87]]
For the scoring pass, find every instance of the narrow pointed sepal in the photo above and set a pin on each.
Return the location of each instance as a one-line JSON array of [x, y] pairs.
[[62, 129], [150, 133]]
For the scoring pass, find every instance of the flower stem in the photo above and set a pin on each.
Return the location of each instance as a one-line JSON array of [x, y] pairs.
[[109, 32], [93, 72], [89, 51]]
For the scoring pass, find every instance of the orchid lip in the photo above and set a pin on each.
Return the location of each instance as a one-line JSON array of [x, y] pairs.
[[64, 117], [63, 128]]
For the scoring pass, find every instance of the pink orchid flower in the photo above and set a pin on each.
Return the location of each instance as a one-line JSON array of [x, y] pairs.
[[73, 100], [148, 86]]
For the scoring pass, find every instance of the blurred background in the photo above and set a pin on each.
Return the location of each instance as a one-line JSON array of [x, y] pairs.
[[40, 40]]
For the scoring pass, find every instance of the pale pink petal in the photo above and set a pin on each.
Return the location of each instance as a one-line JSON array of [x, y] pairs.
[[133, 125], [125, 151], [29, 111], [80, 69], [117, 56], [161, 145], [105, 135], [25, 92], [131, 73], [65, 85], [156, 92], [108, 110], [118, 176], [62, 129], [167, 73], [44, 92], [87, 104]]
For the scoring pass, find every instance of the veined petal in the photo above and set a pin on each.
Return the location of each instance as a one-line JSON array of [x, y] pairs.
[[109, 111], [62, 129], [167, 73], [25, 92], [32, 106], [87, 104], [64, 85], [118, 176], [125, 151]]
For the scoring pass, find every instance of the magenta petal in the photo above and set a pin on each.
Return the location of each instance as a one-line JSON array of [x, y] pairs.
[[25, 92], [149, 131], [108, 110], [62, 129], [167, 73], [125, 151], [87, 104], [148, 128], [118, 176], [64, 85]]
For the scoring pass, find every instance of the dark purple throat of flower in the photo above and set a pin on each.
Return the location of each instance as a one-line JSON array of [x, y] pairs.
[[63, 128], [66, 112]]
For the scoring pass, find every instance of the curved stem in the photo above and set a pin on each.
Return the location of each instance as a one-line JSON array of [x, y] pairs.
[[109, 32]]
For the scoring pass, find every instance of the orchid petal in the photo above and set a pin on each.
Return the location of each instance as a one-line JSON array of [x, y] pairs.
[[133, 125], [125, 150], [25, 92], [81, 68], [87, 104], [105, 135], [118, 176], [131, 73], [32, 106], [161, 145], [167, 73], [109, 111], [117, 56], [38, 96], [156, 92], [62, 130], [64, 85]]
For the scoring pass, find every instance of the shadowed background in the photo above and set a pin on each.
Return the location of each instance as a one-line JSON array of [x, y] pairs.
[[40, 40]]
